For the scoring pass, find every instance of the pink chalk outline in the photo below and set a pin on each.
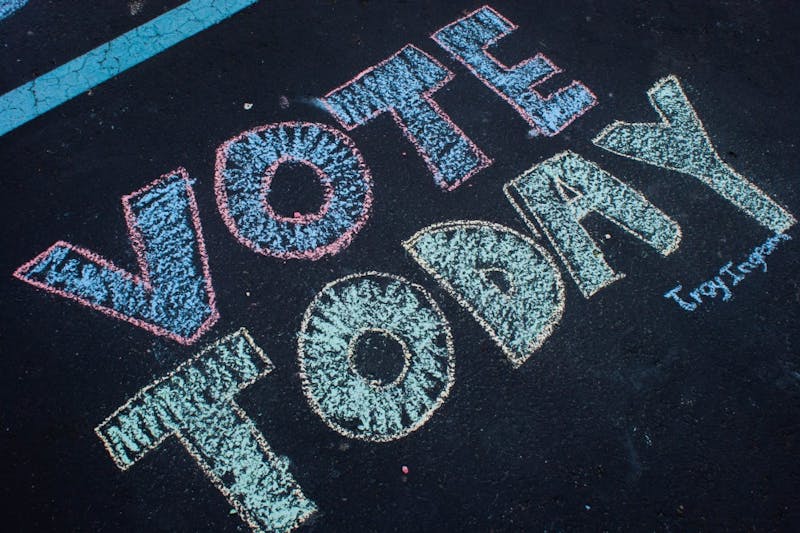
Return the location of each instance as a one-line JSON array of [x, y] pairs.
[[143, 278], [485, 161], [342, 242], [539, 56]]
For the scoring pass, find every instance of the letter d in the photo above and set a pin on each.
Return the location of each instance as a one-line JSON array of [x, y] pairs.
[[510, 284]]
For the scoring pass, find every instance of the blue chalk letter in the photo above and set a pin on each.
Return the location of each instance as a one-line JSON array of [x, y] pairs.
[[374, 303], [402, 85], [543, 193], [679, 142], [172, 296], [9, 7], [468, 40], [510, 284], [195, 404], [246, 166]]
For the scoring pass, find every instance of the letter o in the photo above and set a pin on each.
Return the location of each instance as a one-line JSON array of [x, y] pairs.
[[346, 400], [246, 165]]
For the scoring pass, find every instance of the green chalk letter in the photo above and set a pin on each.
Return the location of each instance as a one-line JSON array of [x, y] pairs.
[[349, 402], [679, 142], [510, 284], [195, 404], [543, 194]]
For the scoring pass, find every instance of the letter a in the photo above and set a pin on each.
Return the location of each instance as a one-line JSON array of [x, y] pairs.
[[542, 191]]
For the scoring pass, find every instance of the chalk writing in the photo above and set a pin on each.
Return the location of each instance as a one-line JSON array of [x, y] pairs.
[[730, 275], [75, 77], [680, 142], [9, 7], [468, 40], [246, 165], [195, 404], [561, 191], [172, 296], [402, 85], [346, 400], [510, 284]]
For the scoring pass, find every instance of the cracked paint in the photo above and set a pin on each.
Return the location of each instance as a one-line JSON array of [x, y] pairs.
[[52, 89]]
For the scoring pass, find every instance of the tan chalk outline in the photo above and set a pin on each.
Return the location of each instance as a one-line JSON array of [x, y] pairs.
[[510, 186], [304, 376], [268, 367], [376, 383], [666, 124], [555, 318]]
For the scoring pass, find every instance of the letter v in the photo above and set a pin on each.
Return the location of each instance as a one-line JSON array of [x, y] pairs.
[[172, 296]]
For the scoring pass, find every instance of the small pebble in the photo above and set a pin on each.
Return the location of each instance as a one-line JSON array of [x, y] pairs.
[[248, 106], [404, 469]]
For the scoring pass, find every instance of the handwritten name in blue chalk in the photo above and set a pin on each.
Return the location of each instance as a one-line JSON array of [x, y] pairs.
[[730, 275]]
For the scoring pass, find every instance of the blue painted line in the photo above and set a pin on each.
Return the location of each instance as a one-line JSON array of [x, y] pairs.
[[50, 90]]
